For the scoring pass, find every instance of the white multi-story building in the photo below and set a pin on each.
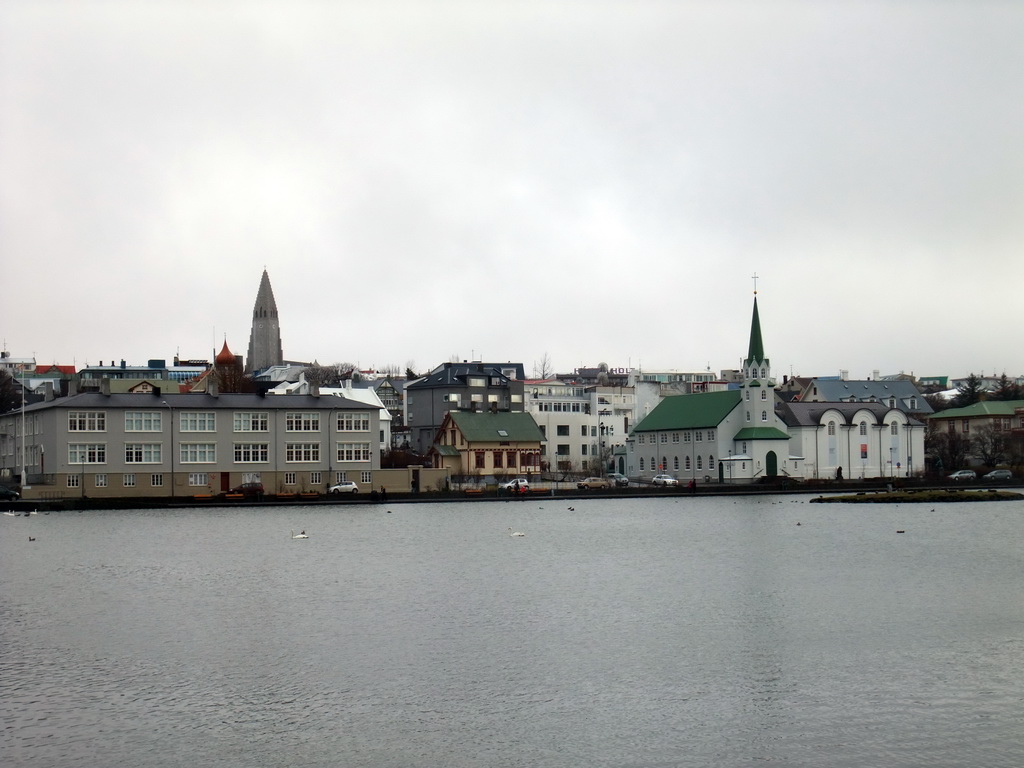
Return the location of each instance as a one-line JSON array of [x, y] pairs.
[[582, 425]]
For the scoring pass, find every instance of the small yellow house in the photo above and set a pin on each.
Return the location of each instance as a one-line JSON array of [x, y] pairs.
[[474, 443]]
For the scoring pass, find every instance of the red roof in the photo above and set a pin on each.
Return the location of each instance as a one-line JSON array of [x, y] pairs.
[[225, 356]]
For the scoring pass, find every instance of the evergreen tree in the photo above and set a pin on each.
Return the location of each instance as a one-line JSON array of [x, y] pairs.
[[10, 392], [1007, 389], [968, 393]]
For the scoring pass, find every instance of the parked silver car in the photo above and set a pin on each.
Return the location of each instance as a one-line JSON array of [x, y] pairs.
[[963, 475], [998, 474]]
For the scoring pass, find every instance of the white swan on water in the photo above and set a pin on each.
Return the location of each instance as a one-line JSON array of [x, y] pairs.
[[515, 533], [302, 535]]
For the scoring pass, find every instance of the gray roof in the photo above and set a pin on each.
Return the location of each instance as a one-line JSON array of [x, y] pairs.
[[203, 401], [809, 414], [449, 374], [836, 390]]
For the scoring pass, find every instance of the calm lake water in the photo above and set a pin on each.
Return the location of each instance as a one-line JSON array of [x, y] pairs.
[[663, 632]]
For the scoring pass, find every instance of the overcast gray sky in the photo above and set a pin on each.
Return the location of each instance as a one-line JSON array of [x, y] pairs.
[[596, 181]]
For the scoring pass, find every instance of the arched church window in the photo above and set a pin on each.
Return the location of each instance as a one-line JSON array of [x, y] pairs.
[[764, 394], [831, 428], [863, 427], [764, 415], [893, 429]]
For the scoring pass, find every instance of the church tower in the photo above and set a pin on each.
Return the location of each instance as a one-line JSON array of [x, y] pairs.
[[265, 337], [757, 370]]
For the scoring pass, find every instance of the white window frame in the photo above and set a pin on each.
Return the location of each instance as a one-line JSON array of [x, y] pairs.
[[197, 453], [143, 453], [87, 421], [251, 453], [302, 421], [301, 453], [251, 421], [143, 421], [87, 453], [353, 422], [197, 421], [353, 452]]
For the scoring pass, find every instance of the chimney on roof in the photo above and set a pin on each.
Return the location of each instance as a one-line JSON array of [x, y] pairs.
[[105, 386], [211, 386], [47, 391]]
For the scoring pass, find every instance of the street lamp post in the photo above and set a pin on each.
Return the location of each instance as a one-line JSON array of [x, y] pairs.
[[170, 427]]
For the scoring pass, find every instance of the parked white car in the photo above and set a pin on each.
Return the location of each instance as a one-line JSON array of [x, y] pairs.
[[346, 487], [516, 484], [664, 480]]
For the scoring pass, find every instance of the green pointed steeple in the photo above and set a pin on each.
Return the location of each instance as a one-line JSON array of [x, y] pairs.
[[755, 354]]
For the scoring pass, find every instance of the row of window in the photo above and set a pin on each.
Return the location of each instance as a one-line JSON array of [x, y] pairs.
[[863, 428], [512, 460], [206, 421], [664, 465], [201, 479], [999, 424], [206, 453], [697, 436]]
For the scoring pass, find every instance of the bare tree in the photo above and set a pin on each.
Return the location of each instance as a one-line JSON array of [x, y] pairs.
[[990, 444], [329, 375], [952, 449], [543, 368], [232, 378]]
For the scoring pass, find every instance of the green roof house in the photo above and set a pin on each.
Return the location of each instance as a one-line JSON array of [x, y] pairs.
[[484, 443]]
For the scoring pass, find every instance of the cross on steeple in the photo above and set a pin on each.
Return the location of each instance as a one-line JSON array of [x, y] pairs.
[[754, 278]]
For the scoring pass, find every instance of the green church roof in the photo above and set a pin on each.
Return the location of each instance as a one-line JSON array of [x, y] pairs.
[[706, 409], [756, 351], [761, 433]]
